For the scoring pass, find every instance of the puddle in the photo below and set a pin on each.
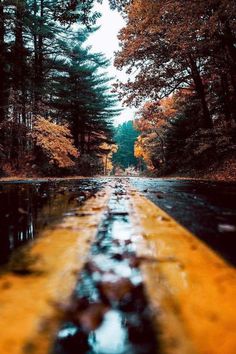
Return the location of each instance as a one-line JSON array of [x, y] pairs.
[[109, 312], [27, 208]]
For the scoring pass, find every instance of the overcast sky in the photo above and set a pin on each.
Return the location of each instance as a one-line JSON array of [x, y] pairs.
[[105, 40]]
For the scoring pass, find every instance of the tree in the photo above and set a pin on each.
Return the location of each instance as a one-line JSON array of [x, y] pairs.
[[125, 136], [174, 48], [3, 66], [54, 142], [82, 96], [107, 151], [48, 71], [173, 139], [188, 58]]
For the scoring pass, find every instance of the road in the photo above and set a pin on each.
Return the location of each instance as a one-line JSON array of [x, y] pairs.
[[27, 207], [104, 265], [208, 209]]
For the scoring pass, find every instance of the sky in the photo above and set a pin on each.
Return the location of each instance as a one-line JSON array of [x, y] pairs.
[[105, 40]]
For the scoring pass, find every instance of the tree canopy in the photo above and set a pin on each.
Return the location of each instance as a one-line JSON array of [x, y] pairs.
[[47, 70], [186, 56]]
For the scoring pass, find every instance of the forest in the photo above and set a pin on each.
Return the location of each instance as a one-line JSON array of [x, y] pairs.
[[125, 137], [56, 106], [56, 102], [182, 67]]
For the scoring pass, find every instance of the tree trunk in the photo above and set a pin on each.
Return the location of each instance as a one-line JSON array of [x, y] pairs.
[[19, 61], [35, 55], [229, 43], [163, 157], [225, 99], [40, 47], [38, 54], [75, 130], [82, 139], [207, 122], [3, 77]]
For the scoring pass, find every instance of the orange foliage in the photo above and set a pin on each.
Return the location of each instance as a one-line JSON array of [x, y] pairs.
[[142, 148], [107, 152], [154, 114], [152, 120], [55, 141]]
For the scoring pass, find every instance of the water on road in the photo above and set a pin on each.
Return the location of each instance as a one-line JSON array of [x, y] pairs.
[[27, 208], [208, 209], [109, 312]]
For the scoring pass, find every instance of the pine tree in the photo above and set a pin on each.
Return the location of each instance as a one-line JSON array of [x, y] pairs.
[[125, 138], [48, 71]]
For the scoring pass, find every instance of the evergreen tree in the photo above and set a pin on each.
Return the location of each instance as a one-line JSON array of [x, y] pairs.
[[81, 95], [125, 138], [47, 71]]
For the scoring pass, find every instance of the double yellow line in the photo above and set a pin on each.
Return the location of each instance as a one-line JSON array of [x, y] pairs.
[[191, 290]]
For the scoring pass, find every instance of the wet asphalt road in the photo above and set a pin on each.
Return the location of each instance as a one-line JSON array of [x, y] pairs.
[[109, 310], [109, 307], [27, 207], [208, 209]]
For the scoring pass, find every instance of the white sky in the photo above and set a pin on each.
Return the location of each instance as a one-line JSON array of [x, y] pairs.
[[105, 40]]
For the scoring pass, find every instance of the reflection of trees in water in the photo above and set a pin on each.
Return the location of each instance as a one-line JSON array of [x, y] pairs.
[[27, 209]]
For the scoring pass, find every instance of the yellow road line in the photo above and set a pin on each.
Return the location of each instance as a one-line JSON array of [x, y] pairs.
[[29, 311], [191, 289]]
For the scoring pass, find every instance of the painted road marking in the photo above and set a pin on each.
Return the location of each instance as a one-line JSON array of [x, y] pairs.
[[29, 311], [109, 312], [192, 290]]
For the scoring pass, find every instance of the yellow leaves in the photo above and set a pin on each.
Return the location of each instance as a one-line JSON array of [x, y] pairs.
[[55, 141], [142, 149], [108, 151], [109, 147], [154, 114], [138, 150]]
